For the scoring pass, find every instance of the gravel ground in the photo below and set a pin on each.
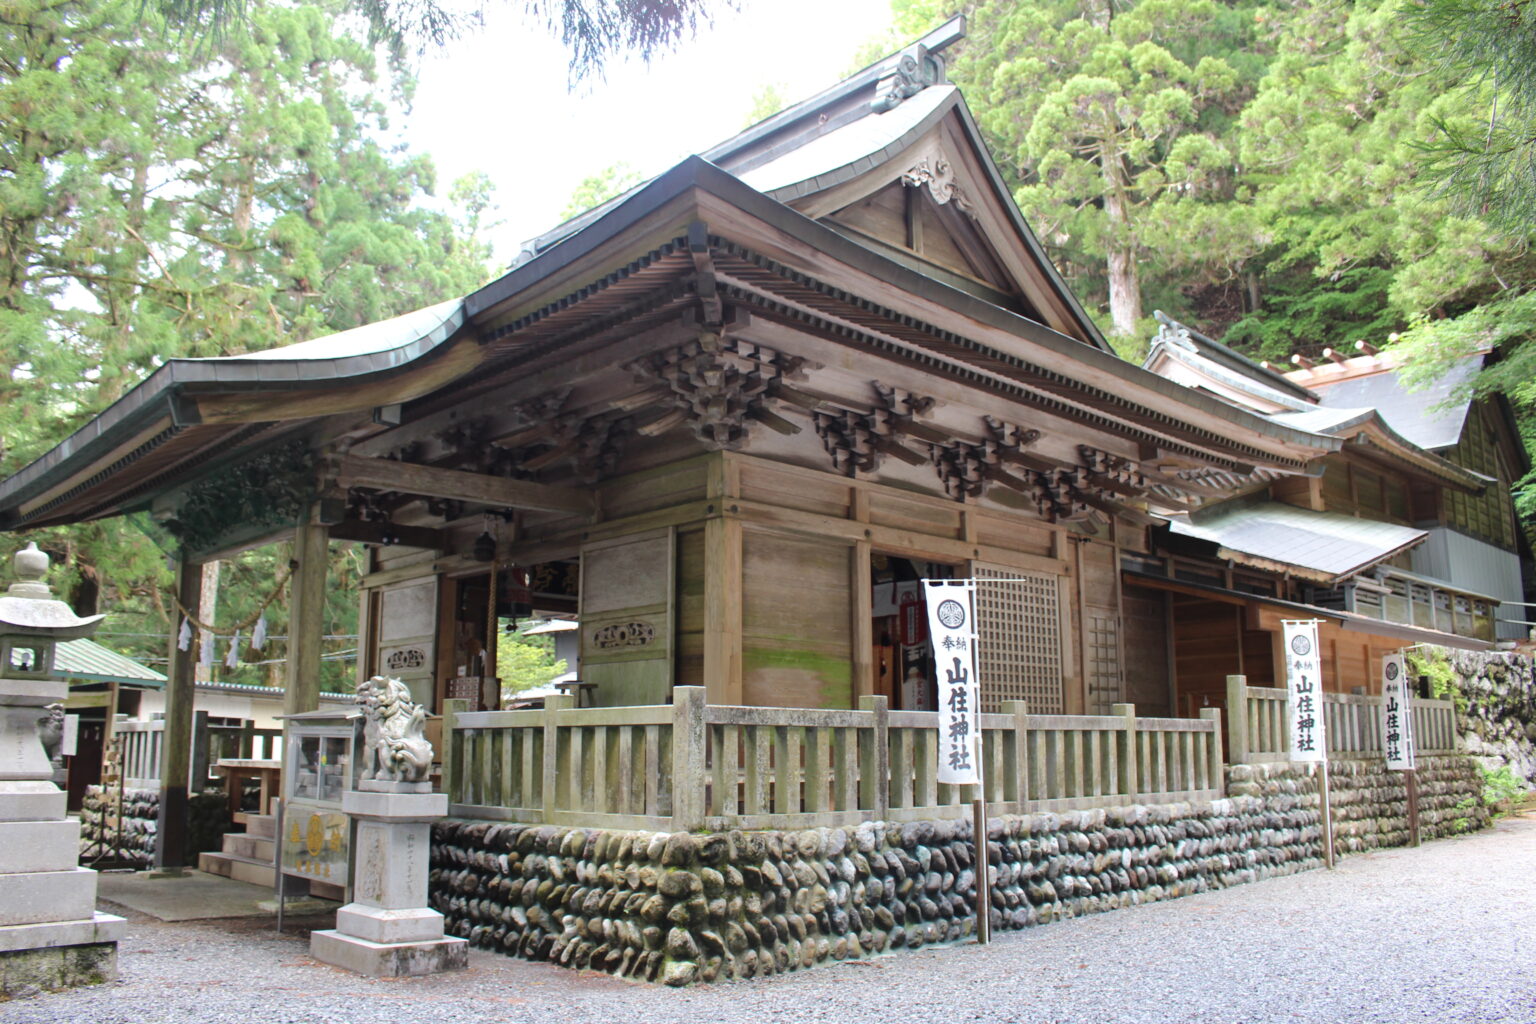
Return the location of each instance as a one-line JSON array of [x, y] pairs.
[[1440, 934]]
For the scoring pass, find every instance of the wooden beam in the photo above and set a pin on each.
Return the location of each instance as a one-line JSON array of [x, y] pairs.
[[389, 534], [409, 478]]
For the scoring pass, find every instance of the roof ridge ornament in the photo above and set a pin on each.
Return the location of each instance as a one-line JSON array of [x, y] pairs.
[[916, 69]]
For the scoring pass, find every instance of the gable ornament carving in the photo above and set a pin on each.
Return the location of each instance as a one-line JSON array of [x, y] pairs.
[[934, 170]]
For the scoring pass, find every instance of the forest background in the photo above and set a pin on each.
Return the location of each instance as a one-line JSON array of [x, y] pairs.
[[1283, 176]]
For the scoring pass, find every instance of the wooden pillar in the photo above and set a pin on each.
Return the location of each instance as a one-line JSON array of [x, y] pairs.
[[1239, 742], [722, 609], [176, 755], [863, 625], [306, 618]]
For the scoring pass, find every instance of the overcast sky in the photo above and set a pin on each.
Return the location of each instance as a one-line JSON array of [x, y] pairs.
[[498, 101]]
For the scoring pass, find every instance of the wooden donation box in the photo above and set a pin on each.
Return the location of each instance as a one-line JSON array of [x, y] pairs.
[[320, 764]]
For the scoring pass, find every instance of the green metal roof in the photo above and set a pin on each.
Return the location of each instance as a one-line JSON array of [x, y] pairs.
[[86, 659]]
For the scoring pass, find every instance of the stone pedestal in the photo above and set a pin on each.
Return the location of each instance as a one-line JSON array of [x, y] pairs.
[[50, 934], [388, 930]]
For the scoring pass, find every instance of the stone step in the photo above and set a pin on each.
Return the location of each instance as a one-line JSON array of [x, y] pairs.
[[264, 825], [241, 869], [251, 847]]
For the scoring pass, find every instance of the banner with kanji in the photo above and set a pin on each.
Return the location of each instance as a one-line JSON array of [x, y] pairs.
[[1396, 714], [1304, 682], [952, 632]]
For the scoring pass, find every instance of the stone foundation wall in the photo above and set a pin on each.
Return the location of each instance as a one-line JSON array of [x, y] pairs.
[[681, 908], [1369, 804], [207, 813]]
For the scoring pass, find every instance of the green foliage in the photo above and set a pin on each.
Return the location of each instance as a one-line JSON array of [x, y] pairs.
[[594, 32], [161, 197], [1501, 786], [1486, 165], [1444, 684], [526, 662], [596, 189], [766, 101]]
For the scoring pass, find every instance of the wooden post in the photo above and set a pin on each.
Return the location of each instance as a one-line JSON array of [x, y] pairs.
[[1327, 815], [875, 759], [1411, 779], [197, 773], [722, 608], [983, 886], [1019, 710], [1237, 718], [306, 618], [687, 758], [448, 756], [1129, 780], [176, 756], [553, 705], [1217, 764]]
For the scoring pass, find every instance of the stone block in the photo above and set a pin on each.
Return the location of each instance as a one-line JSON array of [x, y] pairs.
[[419, 924], [39, 845], [94, 930], [25, 972], [39, 896], [389, 960], [31, 801], [392, 859], [426, 807]]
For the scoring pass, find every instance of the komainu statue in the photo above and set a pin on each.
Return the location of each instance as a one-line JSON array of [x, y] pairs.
[[396, 750], [50, 729]]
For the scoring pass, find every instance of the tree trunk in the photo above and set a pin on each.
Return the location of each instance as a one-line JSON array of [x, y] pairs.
[[1124, 281]]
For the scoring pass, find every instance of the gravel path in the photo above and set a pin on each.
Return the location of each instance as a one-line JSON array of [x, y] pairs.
[[1445, 933]]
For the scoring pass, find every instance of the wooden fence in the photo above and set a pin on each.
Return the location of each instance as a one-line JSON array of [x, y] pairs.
[[691, 765], [142, 745], [1258, 724]]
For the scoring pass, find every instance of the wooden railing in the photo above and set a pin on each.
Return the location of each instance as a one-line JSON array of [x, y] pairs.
[[692, 765], [1258, 726], [142, 745]]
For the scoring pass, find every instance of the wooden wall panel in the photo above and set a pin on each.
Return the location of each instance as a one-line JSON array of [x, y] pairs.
[[934, 520], [826, 495], [797, 649], [1207, 647], [676, 484], [1014, 534], [1146, 650]]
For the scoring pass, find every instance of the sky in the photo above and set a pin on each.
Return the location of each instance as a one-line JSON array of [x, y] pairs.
[[498, 101]]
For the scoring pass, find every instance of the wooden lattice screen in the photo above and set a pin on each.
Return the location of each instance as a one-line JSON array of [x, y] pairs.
[[1018, 622], [1102, 646]]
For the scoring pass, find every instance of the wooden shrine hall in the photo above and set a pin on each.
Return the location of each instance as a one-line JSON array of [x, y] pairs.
[[723, 422]]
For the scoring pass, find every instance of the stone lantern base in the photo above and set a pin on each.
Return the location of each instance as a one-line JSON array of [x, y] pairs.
[[388, 930], [51, 936]]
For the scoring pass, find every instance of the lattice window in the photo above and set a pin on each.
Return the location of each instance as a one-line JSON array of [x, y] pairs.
[[1018, 619], [1103, 649]]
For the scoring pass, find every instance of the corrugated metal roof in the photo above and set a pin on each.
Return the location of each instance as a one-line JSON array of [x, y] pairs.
[[1325, 544], [86, 659], [1420, 416]]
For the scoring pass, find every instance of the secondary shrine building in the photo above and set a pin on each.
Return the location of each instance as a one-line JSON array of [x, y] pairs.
[[726, 420]]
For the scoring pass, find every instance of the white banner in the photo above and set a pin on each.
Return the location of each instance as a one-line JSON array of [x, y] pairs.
[[1304, 681], [1396, 713], [952, 631]]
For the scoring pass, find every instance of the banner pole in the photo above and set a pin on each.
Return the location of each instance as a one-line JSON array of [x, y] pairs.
[[1327, 815], [1413, 805], [983, 888]]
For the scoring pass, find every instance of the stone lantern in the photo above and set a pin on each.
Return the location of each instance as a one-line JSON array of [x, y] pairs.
[[50, 933]]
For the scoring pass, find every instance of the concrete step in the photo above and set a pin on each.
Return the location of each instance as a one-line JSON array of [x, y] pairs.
[[241, 844], [264, 825], [241, 869]]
